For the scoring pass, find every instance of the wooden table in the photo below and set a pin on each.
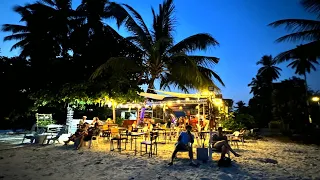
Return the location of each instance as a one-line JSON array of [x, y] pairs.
[[134, 136]]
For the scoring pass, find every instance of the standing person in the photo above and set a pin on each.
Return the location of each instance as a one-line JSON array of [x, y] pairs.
[[184, 143]]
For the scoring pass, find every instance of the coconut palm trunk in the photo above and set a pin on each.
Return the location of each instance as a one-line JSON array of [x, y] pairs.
[[307, 100]]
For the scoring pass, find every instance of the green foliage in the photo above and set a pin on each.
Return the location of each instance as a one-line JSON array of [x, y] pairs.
[[232, 124], [46, 122], [119, 121], [239, 121], [275, 124]]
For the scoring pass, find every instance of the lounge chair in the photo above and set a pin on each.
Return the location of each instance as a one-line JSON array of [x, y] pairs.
[[32, 133], [56, 138]]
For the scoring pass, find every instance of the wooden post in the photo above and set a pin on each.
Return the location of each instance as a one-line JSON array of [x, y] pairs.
[[203, 112], [199, 114], [114, 111]]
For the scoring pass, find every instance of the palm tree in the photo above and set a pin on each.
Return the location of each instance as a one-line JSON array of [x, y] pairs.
[[302, 62], [269, 71], [163, 60], [45, 31], [303, 29], [256, 85]]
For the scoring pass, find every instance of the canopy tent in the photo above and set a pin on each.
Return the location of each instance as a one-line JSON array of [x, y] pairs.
[[152, 96], [200, 95]]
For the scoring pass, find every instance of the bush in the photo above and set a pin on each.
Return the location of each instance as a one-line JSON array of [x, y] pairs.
[[238, 122], [119, 121], [275, 125], [46, 122]]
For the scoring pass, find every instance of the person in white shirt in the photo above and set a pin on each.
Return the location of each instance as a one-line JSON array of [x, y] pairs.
[[184, 143]]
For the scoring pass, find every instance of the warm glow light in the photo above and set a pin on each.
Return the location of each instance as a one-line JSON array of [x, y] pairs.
[[315, 99], [187, 99], [180, 108], [167, 108], [161, 105], [169, 104], [197, 107], [218, 102], [178, 101], [205, 92]]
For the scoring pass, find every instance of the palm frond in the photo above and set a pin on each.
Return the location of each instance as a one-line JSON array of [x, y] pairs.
[[196, 42], [312, 6], [20, 44], [208, 75], [47, 2], [118, 12], [16, 37], [205, 61], [164, 22], [139, 19], [297, 25], [301, 36], [309, 50], [14, 28]]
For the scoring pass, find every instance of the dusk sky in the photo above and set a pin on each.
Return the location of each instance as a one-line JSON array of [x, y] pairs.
[[240, 26]]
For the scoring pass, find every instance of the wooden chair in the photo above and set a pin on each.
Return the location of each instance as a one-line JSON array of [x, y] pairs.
[[116, 136], [152, 144]]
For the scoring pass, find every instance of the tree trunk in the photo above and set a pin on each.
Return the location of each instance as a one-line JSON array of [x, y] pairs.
[[151, 86], [307, 100]]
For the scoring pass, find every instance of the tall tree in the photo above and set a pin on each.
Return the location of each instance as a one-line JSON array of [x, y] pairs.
[[163, 60], [269, 71]]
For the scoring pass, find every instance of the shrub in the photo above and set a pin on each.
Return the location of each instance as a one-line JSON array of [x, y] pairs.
[[119, 121], [238, 122], [275, 125], [46, 122]]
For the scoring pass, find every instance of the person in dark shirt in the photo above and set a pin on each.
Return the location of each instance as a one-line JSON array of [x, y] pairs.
[[93, 131], [220, 143]]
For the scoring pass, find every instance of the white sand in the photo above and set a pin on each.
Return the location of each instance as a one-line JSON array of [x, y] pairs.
[[294, 161]]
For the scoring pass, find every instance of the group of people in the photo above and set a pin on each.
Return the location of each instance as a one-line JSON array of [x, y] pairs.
[[84, 133], [186, 139]]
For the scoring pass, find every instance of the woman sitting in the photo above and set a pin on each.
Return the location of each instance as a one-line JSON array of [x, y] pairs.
[[93, 131], [78, 134]]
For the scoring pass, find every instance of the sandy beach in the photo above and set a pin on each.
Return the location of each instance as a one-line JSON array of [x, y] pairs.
[[263, 159]]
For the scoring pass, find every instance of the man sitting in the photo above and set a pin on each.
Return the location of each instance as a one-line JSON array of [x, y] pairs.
[[184, 143], [220, 143]]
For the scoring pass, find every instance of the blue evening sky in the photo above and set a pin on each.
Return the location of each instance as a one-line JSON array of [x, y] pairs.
[[240, 26]]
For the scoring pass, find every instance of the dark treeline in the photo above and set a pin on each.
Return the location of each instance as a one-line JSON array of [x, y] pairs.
[[72, 56]]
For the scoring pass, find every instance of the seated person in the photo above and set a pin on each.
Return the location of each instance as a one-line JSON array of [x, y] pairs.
[[184, 143], [78, 136], [93, 131], [220, 143], [95, 120]]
